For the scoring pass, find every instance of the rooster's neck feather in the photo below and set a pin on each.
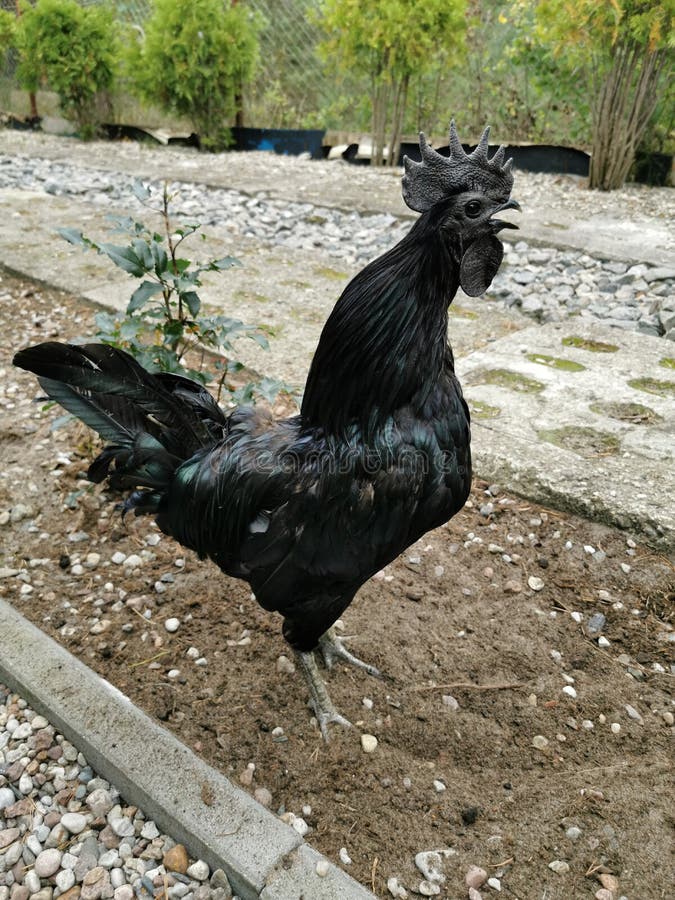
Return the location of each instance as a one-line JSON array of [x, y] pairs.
[[384, 346]]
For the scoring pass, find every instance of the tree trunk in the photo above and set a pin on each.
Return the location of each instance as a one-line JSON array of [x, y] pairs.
[[400, 101], [380, 103], [626, 100]]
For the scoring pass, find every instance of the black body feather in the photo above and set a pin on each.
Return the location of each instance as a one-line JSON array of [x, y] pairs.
[[305, 509]]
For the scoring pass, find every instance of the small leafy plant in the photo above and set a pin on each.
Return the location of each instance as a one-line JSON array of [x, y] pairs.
[[164, 325]]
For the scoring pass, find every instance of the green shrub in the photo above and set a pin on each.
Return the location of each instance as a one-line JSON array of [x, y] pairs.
[[7, 31], [194, 59], [71, 50]]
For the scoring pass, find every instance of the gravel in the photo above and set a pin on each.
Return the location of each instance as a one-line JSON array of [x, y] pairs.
[[65, 827], [544, 283]]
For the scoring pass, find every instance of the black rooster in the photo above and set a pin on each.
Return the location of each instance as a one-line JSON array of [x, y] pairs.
[[306, 509]]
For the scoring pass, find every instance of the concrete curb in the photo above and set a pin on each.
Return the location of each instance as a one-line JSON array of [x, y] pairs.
[[262, 856]]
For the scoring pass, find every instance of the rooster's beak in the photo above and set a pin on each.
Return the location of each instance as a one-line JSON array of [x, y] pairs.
[[500, 223]]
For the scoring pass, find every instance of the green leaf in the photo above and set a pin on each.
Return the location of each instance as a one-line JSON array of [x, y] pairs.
[[143, 251], [181, 265], [125, 258], [73, 236], [142, 294], [159, 256], [192, 301], [225, 263]]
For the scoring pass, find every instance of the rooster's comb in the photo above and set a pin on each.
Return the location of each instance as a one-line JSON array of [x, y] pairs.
[[436, 177]]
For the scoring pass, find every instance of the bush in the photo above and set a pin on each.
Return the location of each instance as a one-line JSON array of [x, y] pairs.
[[71, 50], [194, 59], [7, 31]]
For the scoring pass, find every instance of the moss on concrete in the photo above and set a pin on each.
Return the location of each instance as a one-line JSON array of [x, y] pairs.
[[554, 362], [586, 442], [327, 272], [653, 386], [505, 378], [481, 410], [635, 413], [580, 343]]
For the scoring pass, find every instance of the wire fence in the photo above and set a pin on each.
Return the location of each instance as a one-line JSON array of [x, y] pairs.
[[292, 84]]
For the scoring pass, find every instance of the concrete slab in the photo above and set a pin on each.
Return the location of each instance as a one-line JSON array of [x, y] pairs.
[[261, 855], [582, 417], [608, 229]]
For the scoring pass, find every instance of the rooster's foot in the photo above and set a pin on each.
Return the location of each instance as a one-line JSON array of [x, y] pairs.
[[321, 703], [332, 649]]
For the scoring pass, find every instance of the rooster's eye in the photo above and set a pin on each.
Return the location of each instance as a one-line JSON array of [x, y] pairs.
[[473, 208]]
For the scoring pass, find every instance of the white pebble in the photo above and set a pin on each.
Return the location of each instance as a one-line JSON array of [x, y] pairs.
[[65, 879], [615, 727], [539, 741], [133, 561], [625, 568], [47, 863], [439, 786], [122, 827], [31, 880], [570, 691], [577, 616], [449, 701], [603, 642], [192, 653], [300, 826], [172, 625], [345, 858], [173, 673], [368, 743], [559, 866], [367, 702], [25, 783], [198, 870], [397, 891], [322, 868], [537, 584], [495, 884], [74, 822], [118, 558]]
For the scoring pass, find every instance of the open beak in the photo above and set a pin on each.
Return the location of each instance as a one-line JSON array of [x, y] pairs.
[[498, 224]]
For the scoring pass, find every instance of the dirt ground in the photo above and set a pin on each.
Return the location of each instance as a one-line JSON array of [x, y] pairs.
[[480, 751]]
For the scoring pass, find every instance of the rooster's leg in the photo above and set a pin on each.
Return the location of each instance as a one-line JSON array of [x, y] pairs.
[[332, 648], [321, 703]]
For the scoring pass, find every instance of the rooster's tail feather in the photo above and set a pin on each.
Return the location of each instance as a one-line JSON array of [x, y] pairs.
[[149, 427]]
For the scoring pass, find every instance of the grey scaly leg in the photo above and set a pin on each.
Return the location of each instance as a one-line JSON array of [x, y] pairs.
[[321, 703], [332, 649]]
